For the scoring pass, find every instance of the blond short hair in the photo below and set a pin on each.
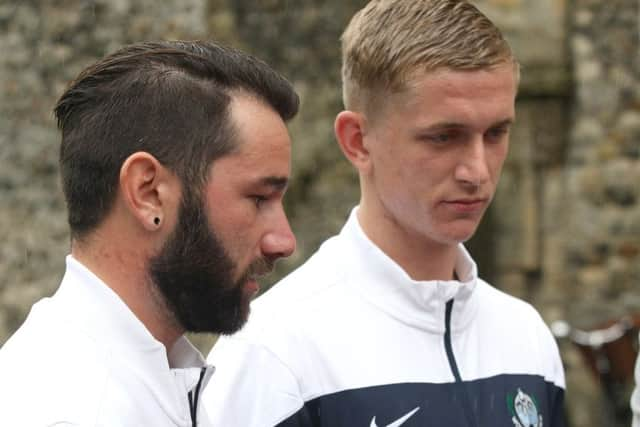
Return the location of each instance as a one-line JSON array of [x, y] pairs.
[[389, 40]]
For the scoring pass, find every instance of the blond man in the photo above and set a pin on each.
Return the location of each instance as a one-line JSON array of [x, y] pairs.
[[388, 324]]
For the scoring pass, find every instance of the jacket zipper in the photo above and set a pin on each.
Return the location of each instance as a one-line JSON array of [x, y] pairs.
[[466, 400], [194, 397]]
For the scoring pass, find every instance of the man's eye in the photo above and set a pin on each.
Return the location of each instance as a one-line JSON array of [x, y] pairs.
[[497, 133], [441, 138], [258, 199]]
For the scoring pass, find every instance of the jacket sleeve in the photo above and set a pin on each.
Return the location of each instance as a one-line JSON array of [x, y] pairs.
[[554, 373], [558, 413], [251, 386]]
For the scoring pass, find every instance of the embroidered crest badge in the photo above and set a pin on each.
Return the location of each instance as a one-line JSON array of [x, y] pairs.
[[524, 410]]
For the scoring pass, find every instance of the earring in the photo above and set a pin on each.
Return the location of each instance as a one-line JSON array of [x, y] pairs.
[[156, 221]]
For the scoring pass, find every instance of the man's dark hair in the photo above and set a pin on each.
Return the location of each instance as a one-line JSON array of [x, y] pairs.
[[170, 99]]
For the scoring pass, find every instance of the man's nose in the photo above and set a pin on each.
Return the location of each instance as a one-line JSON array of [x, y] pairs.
[[473, 167], [279, 241]]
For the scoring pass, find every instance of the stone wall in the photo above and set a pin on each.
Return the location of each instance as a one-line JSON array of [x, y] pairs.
[[564, 230], [602, 186], [603, 165]]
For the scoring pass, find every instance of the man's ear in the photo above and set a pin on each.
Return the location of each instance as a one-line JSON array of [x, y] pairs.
[[350, 129], [148, 190]]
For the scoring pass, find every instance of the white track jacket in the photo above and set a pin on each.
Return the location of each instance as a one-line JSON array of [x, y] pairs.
[[350, 340], [82, 358]]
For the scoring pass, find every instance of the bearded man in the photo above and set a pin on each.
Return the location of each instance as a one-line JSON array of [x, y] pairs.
[[174, 159]]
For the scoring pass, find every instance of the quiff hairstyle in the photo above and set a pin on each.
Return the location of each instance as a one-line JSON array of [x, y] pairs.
[[170, 99], [388, 41]]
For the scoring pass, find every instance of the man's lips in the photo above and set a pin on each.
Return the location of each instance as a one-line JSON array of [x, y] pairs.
[[251, 287], [465, 205], [258, 268]]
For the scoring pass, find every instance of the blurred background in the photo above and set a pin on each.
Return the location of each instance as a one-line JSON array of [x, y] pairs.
[[563, 232]]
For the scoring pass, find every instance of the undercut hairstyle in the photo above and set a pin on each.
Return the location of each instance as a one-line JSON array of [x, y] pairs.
[[168, 98], [389, 41]]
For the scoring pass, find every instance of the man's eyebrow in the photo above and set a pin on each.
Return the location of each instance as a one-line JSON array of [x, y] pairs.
[[277, 182], [504, 123], [455, 125]]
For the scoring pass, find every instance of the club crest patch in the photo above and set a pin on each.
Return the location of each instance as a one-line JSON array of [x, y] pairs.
[[524, 410]]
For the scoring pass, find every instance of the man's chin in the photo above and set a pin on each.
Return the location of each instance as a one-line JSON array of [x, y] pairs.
[[241, 320], [250, 290], [222, 314], [241, 316], [460, 232]]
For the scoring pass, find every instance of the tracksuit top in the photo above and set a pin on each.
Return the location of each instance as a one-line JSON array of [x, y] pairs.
[[350, 340], [82, 358]]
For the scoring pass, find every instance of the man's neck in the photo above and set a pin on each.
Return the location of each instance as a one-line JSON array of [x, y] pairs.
[[420, 258], [422, 262], [123, 270]]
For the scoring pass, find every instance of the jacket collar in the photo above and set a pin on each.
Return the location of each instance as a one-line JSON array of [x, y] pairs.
[[98, 312], [382, 282]]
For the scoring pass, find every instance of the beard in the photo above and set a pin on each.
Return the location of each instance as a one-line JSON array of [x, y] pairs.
[[195, 276]]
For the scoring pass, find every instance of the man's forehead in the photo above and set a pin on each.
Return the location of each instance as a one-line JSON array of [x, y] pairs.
[[418, 75], [498, 81], [256, 165]]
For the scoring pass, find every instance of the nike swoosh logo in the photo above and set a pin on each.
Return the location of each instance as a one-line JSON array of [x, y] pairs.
[[399, 421]]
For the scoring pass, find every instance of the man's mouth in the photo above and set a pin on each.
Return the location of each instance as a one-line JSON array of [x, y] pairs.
[[260, 267], [251, 287], [467, 205]]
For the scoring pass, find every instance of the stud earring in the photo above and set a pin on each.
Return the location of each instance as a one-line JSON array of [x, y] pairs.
[[156, 221]]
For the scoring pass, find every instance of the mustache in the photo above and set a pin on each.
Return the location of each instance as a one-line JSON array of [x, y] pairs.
[[260, 267]]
